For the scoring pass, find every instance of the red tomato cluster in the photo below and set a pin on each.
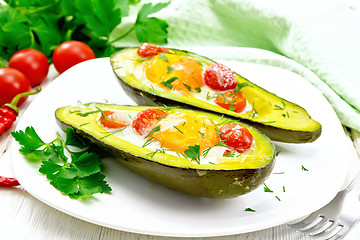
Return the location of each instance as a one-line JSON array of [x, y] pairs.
[[29, 67]]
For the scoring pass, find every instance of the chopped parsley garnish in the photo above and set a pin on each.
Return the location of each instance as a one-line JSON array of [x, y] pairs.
[[303, 168], [232, 107], [221, 143], [163, 57], [206, 151], [198, 89], [187, 87], [277, 153], [78, 176], [241, 85], [231, 155], [249, 210], [178, 129], [193, 152], [155, 129], [277, 198], [208, 96], [87, 113], [202, 135], [83, 124], [113, 132], [267, 189], [283, 188], [170, 69], [149, 141], [142, 59], [168, 82]]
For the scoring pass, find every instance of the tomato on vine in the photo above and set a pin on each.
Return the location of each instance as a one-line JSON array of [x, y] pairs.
[[32, 63], [70, 53]]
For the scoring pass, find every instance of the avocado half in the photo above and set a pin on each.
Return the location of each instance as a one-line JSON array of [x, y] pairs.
[[226, 179], [276, 117]]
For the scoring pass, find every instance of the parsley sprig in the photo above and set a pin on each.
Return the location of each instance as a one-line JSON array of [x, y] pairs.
[[44, 24], [78, 176]]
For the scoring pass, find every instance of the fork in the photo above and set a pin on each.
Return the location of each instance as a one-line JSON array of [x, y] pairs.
[[337, 218]]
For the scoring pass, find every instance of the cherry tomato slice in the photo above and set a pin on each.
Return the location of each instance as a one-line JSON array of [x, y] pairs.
[[220, 77], [146, 120], [32, 63], [232, 101], [149, 50], [236, 136], [111, 120]]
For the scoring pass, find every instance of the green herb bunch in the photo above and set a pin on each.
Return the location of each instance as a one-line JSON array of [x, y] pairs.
[[76, 173], [44, 24]]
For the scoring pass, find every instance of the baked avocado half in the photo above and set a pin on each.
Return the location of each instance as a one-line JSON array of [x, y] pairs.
[[174, 78], [199, 163]]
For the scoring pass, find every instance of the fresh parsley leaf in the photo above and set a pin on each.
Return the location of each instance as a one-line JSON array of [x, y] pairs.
[[151, 29], [72, 139], [193, 152], [77, 176], [28, 138]]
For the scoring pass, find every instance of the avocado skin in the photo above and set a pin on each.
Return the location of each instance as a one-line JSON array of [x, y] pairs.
[[144, 98], [207, 183]]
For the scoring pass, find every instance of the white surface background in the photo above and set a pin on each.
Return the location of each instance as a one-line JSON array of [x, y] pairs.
[[24, 217]]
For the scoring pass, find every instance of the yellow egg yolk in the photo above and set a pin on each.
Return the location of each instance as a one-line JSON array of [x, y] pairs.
[[186, 72], [178, 131]]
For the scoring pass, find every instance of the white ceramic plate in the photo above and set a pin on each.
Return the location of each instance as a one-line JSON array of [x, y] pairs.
[[136, 205]]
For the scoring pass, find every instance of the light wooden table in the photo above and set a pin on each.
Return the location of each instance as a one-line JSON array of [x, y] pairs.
[[24, 217]]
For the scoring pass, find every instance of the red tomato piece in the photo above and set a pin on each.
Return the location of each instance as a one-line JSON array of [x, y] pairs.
[[146, 120], [111, 120], [71, 53], [220, 77], [236, 136], [12, 82], [149, 50], [32, 63], [232, 101]]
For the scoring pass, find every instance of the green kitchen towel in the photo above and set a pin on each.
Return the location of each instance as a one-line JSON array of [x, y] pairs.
[[322, 35]]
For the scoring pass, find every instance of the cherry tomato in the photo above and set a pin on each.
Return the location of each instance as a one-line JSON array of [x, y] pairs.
[[232, 101], [32, 63], [71, 53], [112, 120], [146, 120], [148, 50], [236, 136], [12, 82], [220, 77]]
